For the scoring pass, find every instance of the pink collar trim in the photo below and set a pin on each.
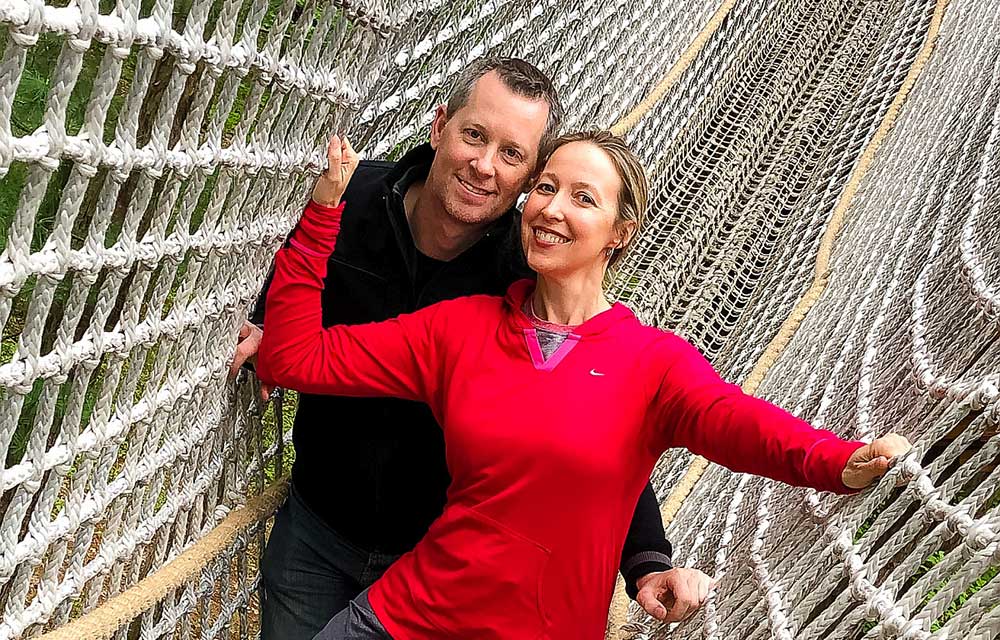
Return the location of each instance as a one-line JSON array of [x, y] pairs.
[[545, 324], [538, 358], [520, 290]]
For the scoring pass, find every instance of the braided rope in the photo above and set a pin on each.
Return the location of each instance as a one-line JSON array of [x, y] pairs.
[[105, 621], [776, 593]]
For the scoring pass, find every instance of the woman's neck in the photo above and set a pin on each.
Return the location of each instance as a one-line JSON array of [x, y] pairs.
[[569, 302]]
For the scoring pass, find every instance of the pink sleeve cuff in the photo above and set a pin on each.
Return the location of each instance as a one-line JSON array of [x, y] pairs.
[[825, 461], [306, 250], [325, 209]]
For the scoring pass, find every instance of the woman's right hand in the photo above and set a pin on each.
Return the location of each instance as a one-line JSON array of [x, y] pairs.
[[330, 187]]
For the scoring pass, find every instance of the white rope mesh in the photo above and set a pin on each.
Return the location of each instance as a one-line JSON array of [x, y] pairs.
[[168, 151], [904, 337]]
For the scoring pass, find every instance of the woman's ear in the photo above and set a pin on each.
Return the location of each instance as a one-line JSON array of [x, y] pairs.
[[438, 124], [624, 233]]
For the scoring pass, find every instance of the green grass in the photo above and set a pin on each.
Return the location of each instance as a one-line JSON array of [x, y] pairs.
[[270, 434]]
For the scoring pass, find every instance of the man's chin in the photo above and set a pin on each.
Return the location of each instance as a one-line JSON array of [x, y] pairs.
[[475, 215]]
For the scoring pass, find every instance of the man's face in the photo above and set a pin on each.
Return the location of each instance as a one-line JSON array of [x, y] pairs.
[[485, 152]]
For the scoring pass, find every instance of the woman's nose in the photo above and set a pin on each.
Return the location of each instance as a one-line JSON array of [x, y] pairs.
[[553, 209]]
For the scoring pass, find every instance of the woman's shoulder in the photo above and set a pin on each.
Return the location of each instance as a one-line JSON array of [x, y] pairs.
[[646, 333], [660, 344]]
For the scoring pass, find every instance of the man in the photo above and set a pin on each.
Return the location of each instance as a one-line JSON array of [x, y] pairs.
[[369, 474]]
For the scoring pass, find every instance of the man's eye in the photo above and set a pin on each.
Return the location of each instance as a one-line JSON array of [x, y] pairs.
[[472, 133], [512, 154]]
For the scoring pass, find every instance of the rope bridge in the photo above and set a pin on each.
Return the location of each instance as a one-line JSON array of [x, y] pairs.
[[826, 181]]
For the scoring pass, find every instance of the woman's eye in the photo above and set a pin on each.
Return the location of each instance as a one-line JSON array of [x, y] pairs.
[[545, 187], [586, 199]]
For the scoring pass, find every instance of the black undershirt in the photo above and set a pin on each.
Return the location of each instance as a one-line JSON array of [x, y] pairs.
[[426, 268]]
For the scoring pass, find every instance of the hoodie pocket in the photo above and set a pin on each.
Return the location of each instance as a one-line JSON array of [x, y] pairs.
[[482, 579]]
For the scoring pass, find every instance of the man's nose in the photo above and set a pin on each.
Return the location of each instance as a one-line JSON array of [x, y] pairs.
[[483, 164]]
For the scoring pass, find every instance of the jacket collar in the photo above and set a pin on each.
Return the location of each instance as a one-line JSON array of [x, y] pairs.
[[519, 291], [413, 166]]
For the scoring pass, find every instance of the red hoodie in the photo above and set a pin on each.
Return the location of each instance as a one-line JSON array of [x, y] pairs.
[[547, 459]]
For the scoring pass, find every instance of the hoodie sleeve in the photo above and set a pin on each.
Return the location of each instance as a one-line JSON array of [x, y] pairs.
[[394, 358], [698, 410]]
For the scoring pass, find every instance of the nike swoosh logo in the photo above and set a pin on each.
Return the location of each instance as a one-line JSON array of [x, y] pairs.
[[595, 373]]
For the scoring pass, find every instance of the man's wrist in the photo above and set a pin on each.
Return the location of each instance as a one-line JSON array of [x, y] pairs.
[[642, 564]]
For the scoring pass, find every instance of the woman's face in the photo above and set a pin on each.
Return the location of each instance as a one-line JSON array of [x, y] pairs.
[[569, 217]]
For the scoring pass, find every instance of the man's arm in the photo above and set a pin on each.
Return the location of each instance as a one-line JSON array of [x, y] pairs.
[[646, 547], [666, 593], [257, 314], [251, 333]]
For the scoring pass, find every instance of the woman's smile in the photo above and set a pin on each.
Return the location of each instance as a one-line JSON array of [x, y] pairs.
[[548, 238]]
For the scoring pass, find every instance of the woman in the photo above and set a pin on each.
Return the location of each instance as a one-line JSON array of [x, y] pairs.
[[555, 406]]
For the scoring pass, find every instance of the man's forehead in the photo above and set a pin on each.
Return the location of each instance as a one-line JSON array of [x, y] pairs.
[[493, 102]]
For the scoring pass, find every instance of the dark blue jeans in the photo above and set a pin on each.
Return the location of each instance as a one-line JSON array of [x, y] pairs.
[[356, 622], [310, 573]]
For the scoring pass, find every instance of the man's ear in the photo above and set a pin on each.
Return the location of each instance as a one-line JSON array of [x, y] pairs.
[[437, 125]]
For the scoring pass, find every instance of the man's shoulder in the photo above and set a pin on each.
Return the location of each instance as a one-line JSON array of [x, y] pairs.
[[370, 175], [378, 166]]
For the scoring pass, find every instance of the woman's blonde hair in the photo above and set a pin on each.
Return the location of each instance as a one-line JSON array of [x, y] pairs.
[[633, 197]]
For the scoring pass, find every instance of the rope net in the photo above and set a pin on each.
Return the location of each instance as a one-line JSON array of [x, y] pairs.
[[903, 337], [155, 153]]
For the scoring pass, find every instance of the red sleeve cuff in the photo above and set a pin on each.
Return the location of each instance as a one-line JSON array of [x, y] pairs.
[[825, 461], [316, 233]]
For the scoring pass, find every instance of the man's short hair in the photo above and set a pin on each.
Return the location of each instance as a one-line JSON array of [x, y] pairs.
[[522, 78]]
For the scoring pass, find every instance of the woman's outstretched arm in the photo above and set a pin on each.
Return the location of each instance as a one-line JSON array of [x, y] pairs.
[[700, 411], [393, 358]]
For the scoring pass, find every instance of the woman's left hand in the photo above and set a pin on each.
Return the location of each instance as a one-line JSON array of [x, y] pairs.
[[342, 161], [872, 460]]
